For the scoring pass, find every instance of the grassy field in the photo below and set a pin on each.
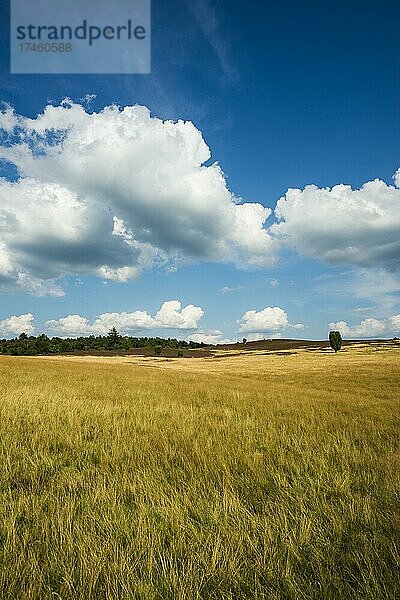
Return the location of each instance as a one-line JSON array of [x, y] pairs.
[[250, 476]]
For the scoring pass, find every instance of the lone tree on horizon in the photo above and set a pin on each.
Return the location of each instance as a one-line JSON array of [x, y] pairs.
[[335, 340]]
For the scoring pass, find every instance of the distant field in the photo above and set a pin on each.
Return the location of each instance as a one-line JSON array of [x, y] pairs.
[[238, 476], [274, 345]]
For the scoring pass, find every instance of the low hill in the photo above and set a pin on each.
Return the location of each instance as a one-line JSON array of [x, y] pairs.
[[282, 344]]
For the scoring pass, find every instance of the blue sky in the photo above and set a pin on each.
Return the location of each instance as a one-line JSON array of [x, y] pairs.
[[285, 96]]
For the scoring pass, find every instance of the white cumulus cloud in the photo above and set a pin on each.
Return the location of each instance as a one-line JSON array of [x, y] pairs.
[[170, 316], [113, 192], [271, 320], [342, 225], [17, 324], [368, 328], [70, 326], [208, 337], [394, 323]]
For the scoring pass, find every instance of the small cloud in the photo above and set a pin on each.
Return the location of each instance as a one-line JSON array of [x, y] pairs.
[[369, 328], [269, 319], [274, 283], [298, 326], [208, 337]]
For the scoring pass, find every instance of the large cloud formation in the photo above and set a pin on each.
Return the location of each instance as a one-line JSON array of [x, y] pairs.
[[113, 192], [118, 191], [170, 316], [342, 225]]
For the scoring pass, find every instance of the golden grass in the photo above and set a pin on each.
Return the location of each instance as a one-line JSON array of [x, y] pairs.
[[252, 476]]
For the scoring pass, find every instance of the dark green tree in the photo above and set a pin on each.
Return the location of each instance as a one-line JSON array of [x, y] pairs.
[[335, 340], [113, 339], [42, 344]]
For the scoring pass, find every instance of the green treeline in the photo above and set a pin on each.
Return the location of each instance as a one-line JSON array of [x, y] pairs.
[[30, 345]]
